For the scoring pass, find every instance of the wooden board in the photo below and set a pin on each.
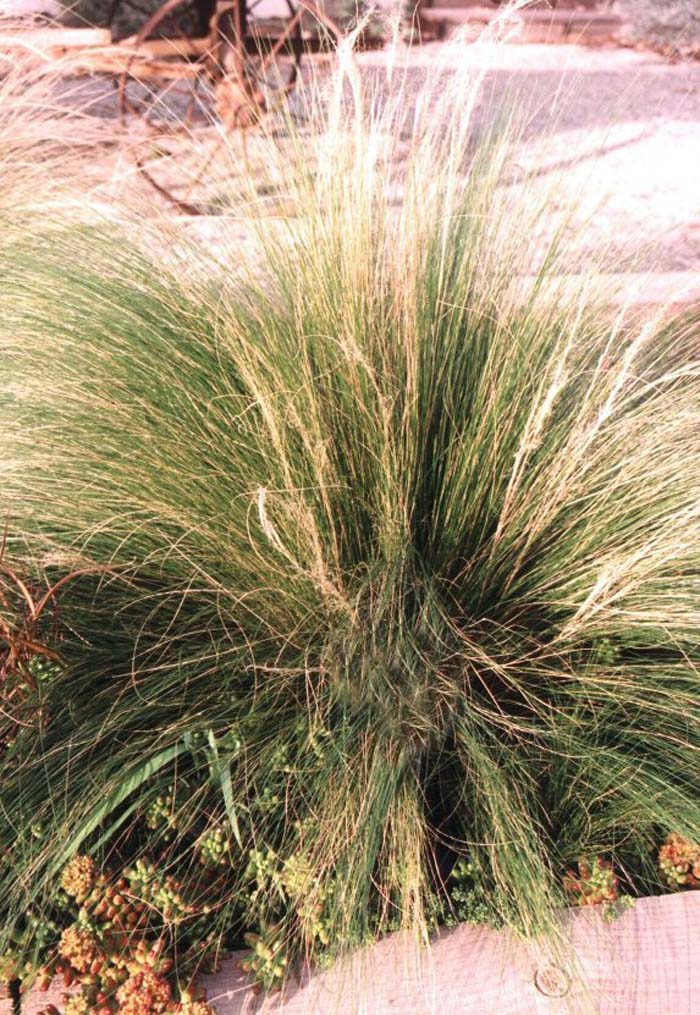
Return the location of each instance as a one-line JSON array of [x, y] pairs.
[[115, 61], [643, 963], [6, 1003], [529, 25], [90, 50], [34, 1001], [167, 47], [48, 39]]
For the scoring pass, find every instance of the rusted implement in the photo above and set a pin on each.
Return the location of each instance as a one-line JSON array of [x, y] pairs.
[[198, 63], [210, 67]]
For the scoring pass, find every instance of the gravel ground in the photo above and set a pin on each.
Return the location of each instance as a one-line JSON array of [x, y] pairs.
[[624, 138], [625, 134]]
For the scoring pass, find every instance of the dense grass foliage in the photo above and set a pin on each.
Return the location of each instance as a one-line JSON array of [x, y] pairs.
[[44, 132], [673, 27], [384, 557]]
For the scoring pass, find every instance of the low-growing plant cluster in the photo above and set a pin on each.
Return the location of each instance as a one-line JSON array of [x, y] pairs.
[[107, 939], [595, 883], [134, 944], [375, 571], [679, 861], [672, 27]]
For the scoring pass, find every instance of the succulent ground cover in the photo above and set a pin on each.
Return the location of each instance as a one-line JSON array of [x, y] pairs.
[[370, 570]]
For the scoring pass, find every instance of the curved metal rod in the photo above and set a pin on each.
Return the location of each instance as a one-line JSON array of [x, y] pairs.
[[202, 170], [142, 35], [184, 206], [292, 25], [321, 16], [292, 30]]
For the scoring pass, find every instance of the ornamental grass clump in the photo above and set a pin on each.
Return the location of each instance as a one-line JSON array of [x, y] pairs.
[[46, 127], [384, 554]]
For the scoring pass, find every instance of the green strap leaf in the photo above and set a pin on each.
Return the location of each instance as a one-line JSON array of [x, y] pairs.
[[126, 786], [221, 773]]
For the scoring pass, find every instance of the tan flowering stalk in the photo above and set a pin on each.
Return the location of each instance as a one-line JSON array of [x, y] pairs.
[[79, 877], [76, 1004], [145, 993], [79, 947]]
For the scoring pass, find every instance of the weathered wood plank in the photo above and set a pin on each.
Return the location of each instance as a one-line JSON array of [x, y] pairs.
[[641, 964], [6, 1002], [114, 60], [34, 1000], [86, 50], [153, 48], [538, 25], [48, 39]]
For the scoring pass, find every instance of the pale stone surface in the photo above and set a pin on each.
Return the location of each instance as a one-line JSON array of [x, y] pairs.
[[671, 289], [614, 131]]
